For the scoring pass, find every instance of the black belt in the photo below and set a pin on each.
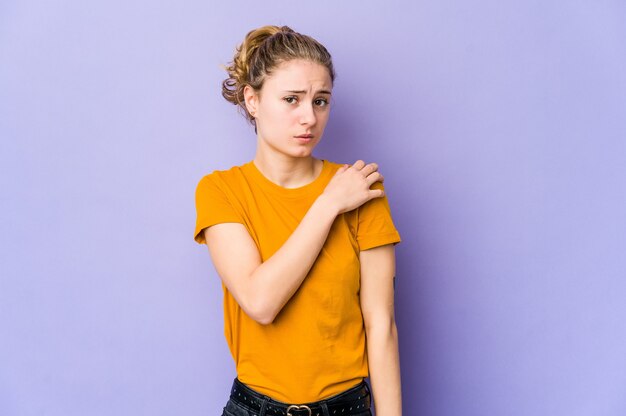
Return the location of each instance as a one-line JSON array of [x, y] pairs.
[[357, 398]]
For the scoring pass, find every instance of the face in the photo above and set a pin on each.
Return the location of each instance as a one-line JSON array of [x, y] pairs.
[[294, 101]]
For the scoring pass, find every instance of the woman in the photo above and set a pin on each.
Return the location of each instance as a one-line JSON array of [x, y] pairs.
[[304, 247]]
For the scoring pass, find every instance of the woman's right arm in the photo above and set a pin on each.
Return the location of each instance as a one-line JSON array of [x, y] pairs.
[[263, 288]]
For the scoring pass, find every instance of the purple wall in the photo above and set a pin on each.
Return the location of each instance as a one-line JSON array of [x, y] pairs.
[[501, 132]]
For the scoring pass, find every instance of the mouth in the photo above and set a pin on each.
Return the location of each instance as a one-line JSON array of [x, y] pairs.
[[305, 139]]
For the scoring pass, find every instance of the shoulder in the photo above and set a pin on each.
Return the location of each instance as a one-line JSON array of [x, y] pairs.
[[223, 177], [334, 166], [223, 184]]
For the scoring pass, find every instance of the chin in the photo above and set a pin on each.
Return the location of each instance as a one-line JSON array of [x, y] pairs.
[[301, 150], [302, 154]]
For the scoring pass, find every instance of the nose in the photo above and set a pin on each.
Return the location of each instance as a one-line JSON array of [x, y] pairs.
[[307, 116]]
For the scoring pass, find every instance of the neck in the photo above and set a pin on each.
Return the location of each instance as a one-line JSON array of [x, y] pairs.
[[286, 171]]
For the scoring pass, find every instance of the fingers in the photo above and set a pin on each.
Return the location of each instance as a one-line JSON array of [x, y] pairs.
[[358, 165], [376, 193], [365, 168], [374, 177], [343, 168], [370, 171], [350, 187]]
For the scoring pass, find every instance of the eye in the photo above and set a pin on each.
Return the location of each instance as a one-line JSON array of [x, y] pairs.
[[322, 102], [292, 97]]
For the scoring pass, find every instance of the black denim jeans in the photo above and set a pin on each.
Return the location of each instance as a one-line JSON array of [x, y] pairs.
[[244, 401]]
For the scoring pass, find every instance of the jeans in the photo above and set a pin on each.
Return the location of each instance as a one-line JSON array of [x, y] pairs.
[[244, 401]]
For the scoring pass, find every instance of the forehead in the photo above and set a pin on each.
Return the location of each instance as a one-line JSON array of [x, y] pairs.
[[299, 74]]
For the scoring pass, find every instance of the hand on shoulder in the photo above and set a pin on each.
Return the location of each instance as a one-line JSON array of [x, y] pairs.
[[349, 188]]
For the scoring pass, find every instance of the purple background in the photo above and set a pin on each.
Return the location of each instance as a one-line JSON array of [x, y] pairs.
[[501, 132]]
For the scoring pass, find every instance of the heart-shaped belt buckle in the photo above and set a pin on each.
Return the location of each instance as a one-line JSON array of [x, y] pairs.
[[302, 407]]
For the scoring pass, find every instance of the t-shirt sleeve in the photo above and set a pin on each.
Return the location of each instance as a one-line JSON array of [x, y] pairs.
[[212, 207], [375, 226]]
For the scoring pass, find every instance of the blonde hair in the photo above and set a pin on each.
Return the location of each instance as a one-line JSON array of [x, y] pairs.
[[262, 50]]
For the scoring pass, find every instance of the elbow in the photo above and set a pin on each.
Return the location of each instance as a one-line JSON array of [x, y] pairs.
[[263, 318], [259, 304], [261, 312], [252, 302]]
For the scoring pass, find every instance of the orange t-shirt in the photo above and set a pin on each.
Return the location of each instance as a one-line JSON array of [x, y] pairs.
[[315, 347]]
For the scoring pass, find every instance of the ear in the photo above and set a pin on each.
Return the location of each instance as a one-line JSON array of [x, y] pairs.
[[251, 99]]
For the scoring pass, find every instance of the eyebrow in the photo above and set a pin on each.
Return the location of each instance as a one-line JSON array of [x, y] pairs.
[[303, 92]]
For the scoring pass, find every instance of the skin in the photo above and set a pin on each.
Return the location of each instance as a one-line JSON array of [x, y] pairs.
[[263, 288], [280, 115]]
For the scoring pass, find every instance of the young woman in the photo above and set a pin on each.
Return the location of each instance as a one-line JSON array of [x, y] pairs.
[[304, 247]]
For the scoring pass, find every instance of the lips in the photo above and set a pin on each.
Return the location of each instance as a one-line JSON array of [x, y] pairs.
[[305, 136]]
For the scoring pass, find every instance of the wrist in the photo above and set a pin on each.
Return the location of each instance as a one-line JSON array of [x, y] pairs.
[[326, 205]]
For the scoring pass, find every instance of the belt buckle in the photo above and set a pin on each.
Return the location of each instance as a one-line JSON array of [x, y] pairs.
[[301, 407]]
